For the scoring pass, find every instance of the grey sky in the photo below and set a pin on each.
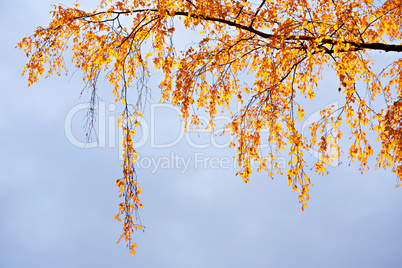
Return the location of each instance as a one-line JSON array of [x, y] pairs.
[[57, 201]]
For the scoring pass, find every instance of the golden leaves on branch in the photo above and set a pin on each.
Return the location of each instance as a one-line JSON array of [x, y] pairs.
[[129, 190], [260, 56], [390, 133]]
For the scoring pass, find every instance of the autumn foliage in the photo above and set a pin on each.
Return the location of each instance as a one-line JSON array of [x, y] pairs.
[[283, 45]]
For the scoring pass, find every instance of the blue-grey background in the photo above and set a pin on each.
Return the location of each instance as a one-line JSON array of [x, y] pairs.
[[57, 201]]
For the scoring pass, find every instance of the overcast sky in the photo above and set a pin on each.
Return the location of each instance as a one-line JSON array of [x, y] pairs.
[[57, 200]]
